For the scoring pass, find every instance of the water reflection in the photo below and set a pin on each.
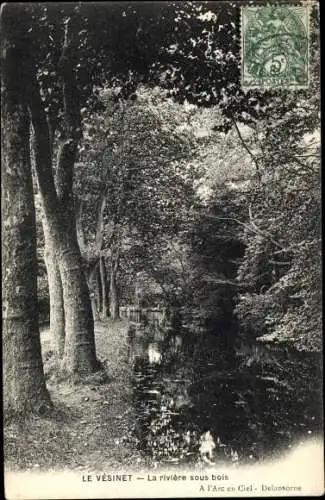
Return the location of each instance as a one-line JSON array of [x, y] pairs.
[[195, 405], [154, 354]]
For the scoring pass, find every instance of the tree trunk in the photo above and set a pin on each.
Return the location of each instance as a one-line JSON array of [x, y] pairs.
[[79, 350], [113, 294], [104, 293], [98, 292], [94, 307], [94, 292], [23, 376], [57, 320], [79, 354]]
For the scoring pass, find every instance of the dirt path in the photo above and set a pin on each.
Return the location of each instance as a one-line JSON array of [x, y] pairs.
[[90, 428]]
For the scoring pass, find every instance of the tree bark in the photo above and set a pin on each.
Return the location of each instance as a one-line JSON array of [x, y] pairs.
[[94, 308], [79, 354], [99, 245], [113, 292], [104, 292], [98, 291], [79, 350], [57, 319], [23, 376], [94, 291]]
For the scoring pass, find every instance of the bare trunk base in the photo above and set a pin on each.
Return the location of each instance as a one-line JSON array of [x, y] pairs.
[[24, 389], [114, 306], [23, 377], [57, 319], [104, 292], [79, 354]]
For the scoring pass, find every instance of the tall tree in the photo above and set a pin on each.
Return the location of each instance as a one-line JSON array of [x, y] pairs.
[[63, 254], [133, 182], [24, 383], [60, 83], [57, 314]]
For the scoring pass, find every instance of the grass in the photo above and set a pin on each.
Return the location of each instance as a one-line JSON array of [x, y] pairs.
[[89, 428]]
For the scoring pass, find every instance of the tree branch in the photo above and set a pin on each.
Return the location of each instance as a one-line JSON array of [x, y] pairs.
[[42, 146], [79, 229], [251, 227], [72, 119], [260, 230], [99, 238], [255, 160]]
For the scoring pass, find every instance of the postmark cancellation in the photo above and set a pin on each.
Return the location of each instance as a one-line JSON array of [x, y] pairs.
[[275, 47]]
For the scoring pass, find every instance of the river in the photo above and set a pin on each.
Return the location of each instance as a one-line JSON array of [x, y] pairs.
[[197, 404]]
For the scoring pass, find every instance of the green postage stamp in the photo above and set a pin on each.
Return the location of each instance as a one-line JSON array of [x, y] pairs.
[[275, 47]]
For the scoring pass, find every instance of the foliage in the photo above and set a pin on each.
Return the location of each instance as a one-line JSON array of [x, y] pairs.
[[192, 49], [136, 158], [282, 259]]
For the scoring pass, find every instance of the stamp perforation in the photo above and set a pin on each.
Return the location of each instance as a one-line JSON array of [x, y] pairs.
[[275, 68]]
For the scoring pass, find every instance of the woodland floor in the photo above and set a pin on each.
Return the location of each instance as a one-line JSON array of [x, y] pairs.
[[90, 426]]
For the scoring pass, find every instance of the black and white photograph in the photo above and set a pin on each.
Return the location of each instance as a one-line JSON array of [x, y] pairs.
[[161, 249]]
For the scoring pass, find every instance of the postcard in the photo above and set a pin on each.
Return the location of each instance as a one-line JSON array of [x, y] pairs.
[[161, 250]]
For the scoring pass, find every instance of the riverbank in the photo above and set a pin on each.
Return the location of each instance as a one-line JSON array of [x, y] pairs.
[[90, 426]]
